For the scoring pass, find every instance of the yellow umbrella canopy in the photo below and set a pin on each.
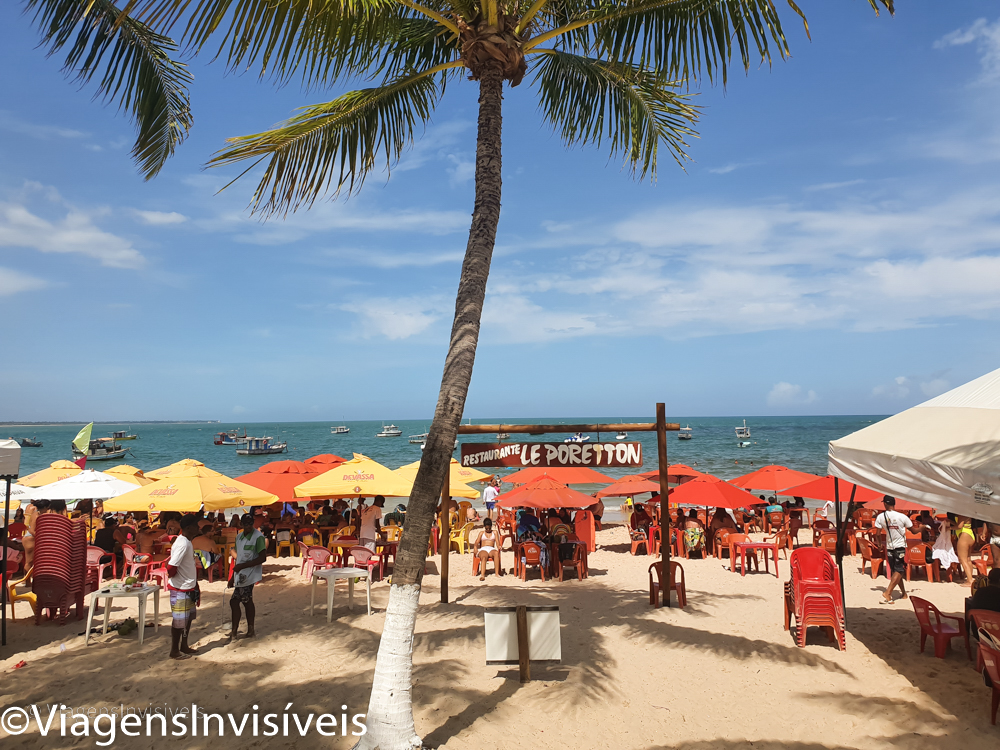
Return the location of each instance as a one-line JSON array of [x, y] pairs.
[[188, 494], [459, 473], [186, 467], [455, 487], [359, 477], [57, 470], [129, 474]]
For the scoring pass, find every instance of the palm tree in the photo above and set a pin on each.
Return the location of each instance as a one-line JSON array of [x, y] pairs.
[[605, 71]]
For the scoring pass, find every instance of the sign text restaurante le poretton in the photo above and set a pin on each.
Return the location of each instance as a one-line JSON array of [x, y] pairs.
[[551, 454]]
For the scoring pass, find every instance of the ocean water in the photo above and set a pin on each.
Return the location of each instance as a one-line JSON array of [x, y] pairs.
[[797, 442]]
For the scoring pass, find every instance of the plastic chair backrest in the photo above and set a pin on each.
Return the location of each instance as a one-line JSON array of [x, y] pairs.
[[532, 553], [129, 553], [319, 554], [392, 533], [361, 554], [94, 555], [776, 517], [811, 564], [822, 523], [923, 609], [674, 569], [987, 620], [991, 660], [916, 554]]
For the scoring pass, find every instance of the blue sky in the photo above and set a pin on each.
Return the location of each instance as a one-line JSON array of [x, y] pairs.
[[833, 248]]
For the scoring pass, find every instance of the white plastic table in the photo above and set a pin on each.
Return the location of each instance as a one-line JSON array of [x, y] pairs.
[[330, 575], [138, 592]]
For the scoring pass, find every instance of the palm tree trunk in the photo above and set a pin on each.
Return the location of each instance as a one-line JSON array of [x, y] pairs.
[[390, 712]]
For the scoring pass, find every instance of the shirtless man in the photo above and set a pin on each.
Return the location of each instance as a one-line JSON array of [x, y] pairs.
[[147, 538]]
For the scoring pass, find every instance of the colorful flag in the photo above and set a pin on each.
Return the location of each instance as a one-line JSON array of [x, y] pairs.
[[82, 440]]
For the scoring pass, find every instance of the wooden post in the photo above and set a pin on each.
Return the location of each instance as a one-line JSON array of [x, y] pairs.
[[524, 663], [445, 533], [665, 535]]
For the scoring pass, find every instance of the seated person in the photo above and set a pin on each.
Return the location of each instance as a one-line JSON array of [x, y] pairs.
[[597, 509], [560, 532], [640, 520], [17, 526], [173, 525], [722, 520], [471, 515], [694, 532], [396, 517], [105, 538], [206, 551], [528, 526], [773, 506], [325, 517], [124, 534], [488, 546], [987, 597], [234, 522], [146, 539]]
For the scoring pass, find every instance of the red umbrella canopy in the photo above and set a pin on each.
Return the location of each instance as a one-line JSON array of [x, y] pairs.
[[676, 474], [280, 478], [903, 506], [712, 493], [774, 478], [563, 474], [544, 493], [823, 489], [322, 463], [632, 484]]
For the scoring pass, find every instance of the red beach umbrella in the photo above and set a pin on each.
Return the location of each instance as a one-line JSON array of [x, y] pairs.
[[322, 463], [822, 489], [712, 493], [632, 484], [773, 478], [905, 506], [564, 474], [280, 478], [544, 493], [676, 474]]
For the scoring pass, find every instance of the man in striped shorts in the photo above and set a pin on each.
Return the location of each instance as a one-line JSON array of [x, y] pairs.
[[183, 586]]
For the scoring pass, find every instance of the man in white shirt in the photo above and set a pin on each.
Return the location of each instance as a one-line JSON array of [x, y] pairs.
[[183, 586], [895, 525], [490, 493], [251, 552], [370, 518]]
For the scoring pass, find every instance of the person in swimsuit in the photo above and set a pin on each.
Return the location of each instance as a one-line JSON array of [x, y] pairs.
[[487, 546], [965, 539], [147, 537]]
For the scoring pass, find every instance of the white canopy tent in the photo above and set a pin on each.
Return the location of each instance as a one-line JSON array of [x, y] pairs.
[[943, 453], [87, 485]]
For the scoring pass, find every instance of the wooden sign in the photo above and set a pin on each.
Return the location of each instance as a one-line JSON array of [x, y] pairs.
[[551, 454]]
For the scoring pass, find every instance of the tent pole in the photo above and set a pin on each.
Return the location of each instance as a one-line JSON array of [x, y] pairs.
[[840, 542], [665, 535], [3, 569], [444, 543]]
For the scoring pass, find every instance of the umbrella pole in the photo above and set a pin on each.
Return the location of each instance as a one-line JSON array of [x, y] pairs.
[[444, 543], [665, 535], [840, 542], [3, 569]]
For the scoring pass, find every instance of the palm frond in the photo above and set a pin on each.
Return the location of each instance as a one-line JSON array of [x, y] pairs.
[[684, 37], [334, 144], [321, 40], [134, 67], [635, 109]]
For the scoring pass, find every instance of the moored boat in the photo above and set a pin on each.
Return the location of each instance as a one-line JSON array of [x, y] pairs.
[[102, 449], [419, 439], [503, 436], [743, 432], [231, 437], [29, 442], [389, 430], [685, 433], [262, 446], [121, 435], [341, 430], [621, 435], [577, 438]]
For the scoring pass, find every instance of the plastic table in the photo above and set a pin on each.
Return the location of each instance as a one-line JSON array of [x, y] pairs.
[[138, 592], [764, 547], [331, 575]]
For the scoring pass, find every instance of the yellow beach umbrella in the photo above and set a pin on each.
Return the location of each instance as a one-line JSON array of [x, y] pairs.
[[459, 473], [186, 467], [129, 474], [57, 470], [456, 488], [359, 477], [188, 494]]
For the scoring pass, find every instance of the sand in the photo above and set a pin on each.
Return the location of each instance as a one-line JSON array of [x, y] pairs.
[[720, 674]]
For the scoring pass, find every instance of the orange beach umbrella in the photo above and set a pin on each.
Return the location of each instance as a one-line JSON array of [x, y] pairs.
[[564, 474], [711, 493], [773, 478], [632, 484], [544, 493], [676, 474]]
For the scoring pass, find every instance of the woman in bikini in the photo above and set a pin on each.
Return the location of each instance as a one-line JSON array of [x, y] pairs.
[[965, 539], [487, 546]]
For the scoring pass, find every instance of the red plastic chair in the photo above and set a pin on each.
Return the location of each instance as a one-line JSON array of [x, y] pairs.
[[720, 541], [304, 554], [813, 595], [871, 554], [655, 540], [318, 558], [137, 569], [916, 557], [365, 558], [639, 539], [989, 621], [991, 662], [984, 562], [97, 565], [578, 562], [530, 556], [674, 584], [942, 632], [734, 553]]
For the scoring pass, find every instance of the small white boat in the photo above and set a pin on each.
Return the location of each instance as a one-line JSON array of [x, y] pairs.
[[261, 447], [389, 430], [685, 433], [743, 432], [232, 437], [120, 435], [424, 444], [419, 439], [102, 449], [341, 430], [743, 444], [621, 436], [577, 438], [503, 436]]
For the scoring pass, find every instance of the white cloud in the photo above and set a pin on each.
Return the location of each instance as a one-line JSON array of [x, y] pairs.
[[401, 319], [73, 231], [13, 124], [462, 171], [159, 218], [986, 37], [832, 185], [897, 389], [903, 385], [13, 282], [787, 394], [727, 168], [934, 387]]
